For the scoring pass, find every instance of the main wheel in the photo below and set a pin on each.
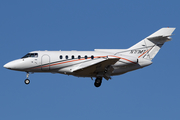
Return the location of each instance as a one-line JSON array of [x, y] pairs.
[[98, 82], [27, 81]]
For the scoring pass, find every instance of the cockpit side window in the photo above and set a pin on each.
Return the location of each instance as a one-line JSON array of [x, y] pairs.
[[31, 55], [27, 55], [35, 55]]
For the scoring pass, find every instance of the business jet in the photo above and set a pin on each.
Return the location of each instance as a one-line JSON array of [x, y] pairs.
[[98, 64]]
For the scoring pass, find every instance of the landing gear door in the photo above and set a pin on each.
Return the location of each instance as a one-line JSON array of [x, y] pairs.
[[45, 63]]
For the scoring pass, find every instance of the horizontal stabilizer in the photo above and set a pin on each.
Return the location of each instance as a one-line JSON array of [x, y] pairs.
[[163, 32]]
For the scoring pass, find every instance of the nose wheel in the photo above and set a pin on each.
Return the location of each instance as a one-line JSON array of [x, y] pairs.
[[27, 81]]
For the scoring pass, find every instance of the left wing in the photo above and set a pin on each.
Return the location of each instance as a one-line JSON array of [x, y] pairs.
[[100, 66]]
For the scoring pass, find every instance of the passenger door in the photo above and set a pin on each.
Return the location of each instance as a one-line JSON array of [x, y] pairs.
[[45, 63]]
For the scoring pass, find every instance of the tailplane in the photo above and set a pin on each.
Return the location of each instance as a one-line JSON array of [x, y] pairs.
[[149, 47]]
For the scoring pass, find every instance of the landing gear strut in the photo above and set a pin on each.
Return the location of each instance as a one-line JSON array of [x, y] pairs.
[[98, 82], [27, 81]]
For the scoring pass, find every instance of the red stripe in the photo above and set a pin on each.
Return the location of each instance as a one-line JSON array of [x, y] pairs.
[[82, 59], [123, 58], [144, 53], [67, 62]]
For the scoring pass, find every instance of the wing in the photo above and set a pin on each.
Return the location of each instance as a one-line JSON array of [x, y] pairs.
[[100, 66]]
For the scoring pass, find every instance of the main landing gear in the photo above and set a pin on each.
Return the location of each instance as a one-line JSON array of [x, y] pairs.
[[98, 82], [27, 81]]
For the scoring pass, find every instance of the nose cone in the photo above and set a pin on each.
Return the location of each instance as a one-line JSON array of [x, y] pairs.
[[13, 65], [7, 65]]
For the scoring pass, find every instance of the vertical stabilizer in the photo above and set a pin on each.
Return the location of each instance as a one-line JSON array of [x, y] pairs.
[[149, 47]]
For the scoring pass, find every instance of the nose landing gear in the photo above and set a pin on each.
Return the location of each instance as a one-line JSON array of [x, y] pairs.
[[27, 81]]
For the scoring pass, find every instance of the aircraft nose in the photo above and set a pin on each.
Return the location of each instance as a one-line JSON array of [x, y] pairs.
[[14, 65], [8, 65]]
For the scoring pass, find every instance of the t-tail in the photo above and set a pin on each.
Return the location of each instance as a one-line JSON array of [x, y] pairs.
[[150, 46]]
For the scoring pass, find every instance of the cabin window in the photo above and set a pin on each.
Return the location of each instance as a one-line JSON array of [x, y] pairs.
[[85, 57], [72, 56], [79, 57], [92, 57], [61, 57], [66, 57]]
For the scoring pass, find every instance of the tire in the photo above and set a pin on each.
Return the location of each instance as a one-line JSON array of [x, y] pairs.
[[97, 82], [27, 81]]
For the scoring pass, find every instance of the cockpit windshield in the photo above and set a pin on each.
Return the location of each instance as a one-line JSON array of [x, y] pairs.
[[31, 55]]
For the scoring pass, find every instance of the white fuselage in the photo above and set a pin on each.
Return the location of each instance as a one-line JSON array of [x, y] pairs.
[[64, 62]]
